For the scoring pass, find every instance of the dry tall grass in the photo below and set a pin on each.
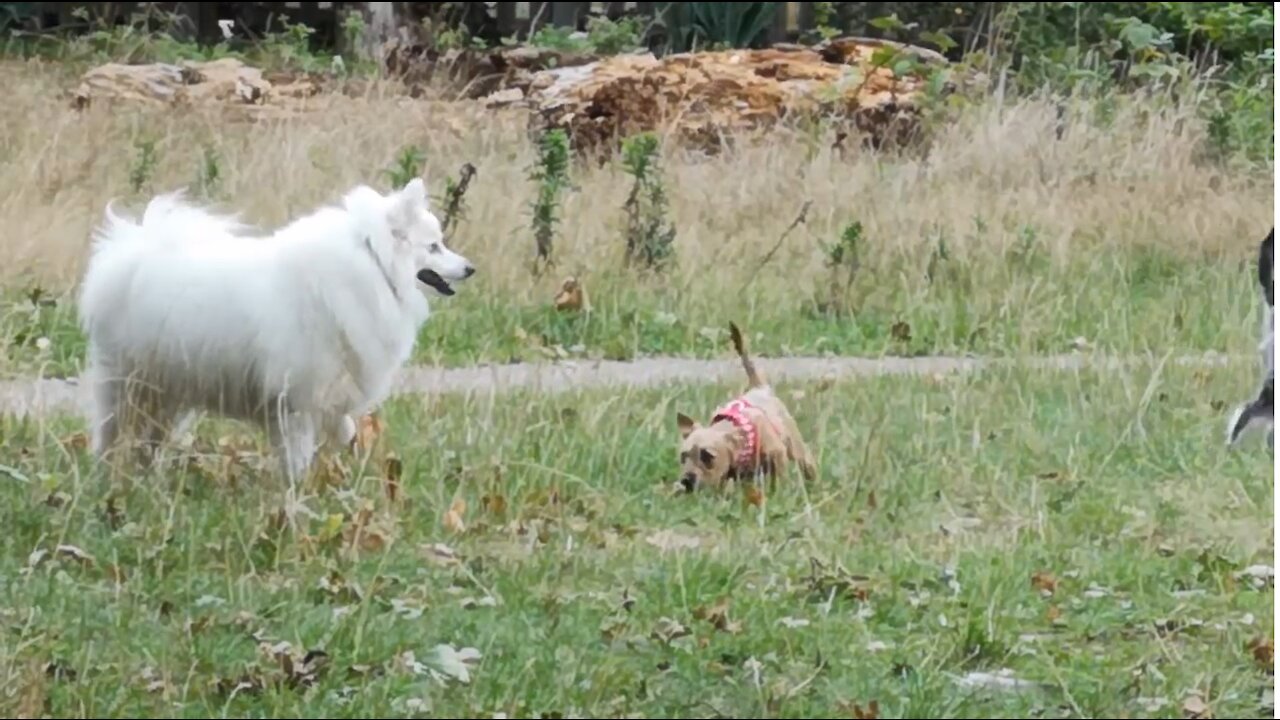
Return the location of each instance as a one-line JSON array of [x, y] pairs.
[[991, 180]]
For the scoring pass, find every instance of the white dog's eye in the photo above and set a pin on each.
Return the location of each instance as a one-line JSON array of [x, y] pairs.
[[434, 248]]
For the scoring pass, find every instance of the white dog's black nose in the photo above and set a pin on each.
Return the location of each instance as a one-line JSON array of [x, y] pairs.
[[469, 271]]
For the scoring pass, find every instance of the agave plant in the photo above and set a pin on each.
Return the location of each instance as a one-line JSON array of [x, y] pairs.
[[718, 24]]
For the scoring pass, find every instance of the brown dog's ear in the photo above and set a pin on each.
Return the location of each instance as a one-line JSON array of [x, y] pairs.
[[687, 425]]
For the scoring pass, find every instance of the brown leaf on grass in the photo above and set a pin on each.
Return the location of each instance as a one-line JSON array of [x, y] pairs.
[[858, 712], [1195, 708], [669, 630], [365, 533], [754, 496], [718, 616], [1264, 653], [441, 554], [872, 503], [901, 331], [75, 441], [1044, 583], [368, 430], [825, 581], [392, 470], [494, 504], [452, 520], [245, 684], [1053, 615]]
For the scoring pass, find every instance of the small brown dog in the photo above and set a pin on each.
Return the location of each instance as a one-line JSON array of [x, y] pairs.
[[751, 437]]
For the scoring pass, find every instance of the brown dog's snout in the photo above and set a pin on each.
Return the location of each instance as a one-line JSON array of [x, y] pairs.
[[688, 481]]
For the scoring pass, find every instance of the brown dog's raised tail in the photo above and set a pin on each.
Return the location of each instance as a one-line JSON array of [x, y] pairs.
[[755, 378]]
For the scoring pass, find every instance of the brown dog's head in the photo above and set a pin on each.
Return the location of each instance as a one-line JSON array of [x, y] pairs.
[[706, 452]]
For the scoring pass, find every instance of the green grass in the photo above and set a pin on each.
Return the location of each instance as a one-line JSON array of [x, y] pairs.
[[908, 564], [1132, 301]]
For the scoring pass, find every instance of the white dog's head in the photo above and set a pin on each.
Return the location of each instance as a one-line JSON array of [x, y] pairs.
[[416, 233]]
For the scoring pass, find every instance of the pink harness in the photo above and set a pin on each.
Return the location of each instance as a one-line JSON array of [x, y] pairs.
[[735, 412]]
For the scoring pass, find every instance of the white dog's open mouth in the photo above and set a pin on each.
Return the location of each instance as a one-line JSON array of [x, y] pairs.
[[430, 277]]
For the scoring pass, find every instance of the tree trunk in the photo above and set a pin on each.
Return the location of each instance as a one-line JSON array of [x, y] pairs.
[[381, 23]]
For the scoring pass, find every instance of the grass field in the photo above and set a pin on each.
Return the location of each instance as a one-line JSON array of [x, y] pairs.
[[1085, 532], [1006, 543], [1000, 240]]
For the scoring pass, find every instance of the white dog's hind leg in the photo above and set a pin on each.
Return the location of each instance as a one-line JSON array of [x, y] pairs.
[[294, 437], [104, 416]]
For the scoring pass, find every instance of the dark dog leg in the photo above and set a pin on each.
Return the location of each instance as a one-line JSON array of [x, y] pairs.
[[1260, 411]]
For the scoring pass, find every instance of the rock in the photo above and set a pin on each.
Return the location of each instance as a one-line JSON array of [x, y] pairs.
[[224, 81], [705, 96]]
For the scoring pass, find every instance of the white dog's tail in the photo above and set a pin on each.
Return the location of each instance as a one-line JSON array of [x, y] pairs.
[[119, 241], [169, 218]]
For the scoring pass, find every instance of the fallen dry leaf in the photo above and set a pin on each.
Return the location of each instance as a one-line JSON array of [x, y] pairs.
[[1195, 708], [363, 532], [858, 712], [668, 630], [754, 496], [1053, 614], [494, 504], [75, 441], [1264, 653], [71, 552], [1045, 583], [392, 470], [453, 521], [718, 616], [441, 554], [447, 663], [368, 430]]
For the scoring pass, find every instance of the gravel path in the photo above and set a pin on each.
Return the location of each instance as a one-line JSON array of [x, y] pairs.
[[45, 396]]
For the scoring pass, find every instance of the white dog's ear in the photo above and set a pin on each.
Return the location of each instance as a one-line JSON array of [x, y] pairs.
[[410, 201], [415, 192]]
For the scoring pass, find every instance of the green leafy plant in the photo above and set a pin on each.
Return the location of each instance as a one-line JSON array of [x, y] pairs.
[[825, 21], [842, 262], [144, 164], [551, 174], [650, 235], [407, 166], [209, 173], [612, 37], [562, 39]]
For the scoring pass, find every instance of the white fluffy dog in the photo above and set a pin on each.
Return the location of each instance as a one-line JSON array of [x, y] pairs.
[[300, 331]]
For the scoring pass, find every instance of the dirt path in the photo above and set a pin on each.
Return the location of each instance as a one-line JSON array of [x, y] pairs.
[[41, 397]]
